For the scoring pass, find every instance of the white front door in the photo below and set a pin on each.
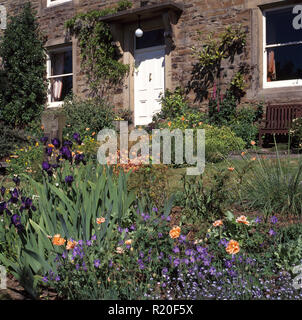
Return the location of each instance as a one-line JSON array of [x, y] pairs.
[[149, 83]]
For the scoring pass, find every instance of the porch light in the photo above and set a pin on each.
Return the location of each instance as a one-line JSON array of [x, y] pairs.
[[139, 32]]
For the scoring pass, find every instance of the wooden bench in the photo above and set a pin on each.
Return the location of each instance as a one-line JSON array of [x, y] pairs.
[[278, 119]]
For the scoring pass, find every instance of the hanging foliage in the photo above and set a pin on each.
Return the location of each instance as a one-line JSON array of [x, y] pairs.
[[99, 54]]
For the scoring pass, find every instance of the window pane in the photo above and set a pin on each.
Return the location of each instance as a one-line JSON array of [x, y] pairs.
[[151, 39], [60, 88], [279, 27], [284, 63], [61, 63]]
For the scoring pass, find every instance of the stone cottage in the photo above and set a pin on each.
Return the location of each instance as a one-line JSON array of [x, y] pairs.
[[163, 54]]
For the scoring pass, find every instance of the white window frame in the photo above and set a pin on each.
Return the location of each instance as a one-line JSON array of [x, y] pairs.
[[56, 2], [281, 83], [56, 104]]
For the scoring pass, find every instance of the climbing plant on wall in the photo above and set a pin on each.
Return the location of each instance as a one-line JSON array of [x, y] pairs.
[[99, 55], [208, 68]]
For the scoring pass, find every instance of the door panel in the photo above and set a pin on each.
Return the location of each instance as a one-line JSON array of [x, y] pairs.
[[149, 84]]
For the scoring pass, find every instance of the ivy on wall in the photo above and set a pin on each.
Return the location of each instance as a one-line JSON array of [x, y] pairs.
[[99, 54]]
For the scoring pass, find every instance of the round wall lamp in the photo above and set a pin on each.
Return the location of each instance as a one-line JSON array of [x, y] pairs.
[[139, 32]]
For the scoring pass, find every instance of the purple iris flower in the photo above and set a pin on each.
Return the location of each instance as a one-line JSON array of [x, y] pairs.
[[45, 165], [160, 235], [165, 270], [77, 138], [14, 196], [57, 278], [56, 142], [132, 228], [16, 221], [2, 207], [67, 143], [69, 180], [45, 279], [48, 151], [155, 209], [16, 180], [79, 158], [27, 204], [2, 190], [176, 262], [44, 140], [66, 153], [93, 237]]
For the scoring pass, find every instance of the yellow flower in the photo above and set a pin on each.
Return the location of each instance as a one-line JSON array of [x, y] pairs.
[[175, 232], [37, 144], [232, 247]]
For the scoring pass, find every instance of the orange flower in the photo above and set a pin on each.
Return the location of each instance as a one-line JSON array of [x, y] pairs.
[[50, 145], [253, 143], [128, 242], [218, 223], [175, 232], [233, 247], [93, 134], [100, 220], [71, 244], [183, 118], [242, 219], [169, 123], [57, 240], [254, 158], [42, 127], [231, 169], [242, 153]]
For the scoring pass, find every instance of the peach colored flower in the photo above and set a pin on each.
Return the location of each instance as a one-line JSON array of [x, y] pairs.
[[119, 250], [175, 232], [242, 153], [71, 244], [253, 142], [218, 223], [100, 220], [232, 247], [169, 123], [231, 169], [242, 219], [254, 158], [57, 240], [128, 242]]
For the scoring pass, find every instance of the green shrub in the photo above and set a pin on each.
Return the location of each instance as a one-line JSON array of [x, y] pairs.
[[28, 159], [10, 139], [24, 61], [296, 133], [245, 123], [222, 109], [93, 114], [174, 104]]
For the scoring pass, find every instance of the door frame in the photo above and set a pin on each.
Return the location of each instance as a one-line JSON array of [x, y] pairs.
[[128, 41], [141, 51]]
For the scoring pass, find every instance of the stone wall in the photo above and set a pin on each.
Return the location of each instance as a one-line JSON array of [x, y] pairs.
[[199, 15]]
